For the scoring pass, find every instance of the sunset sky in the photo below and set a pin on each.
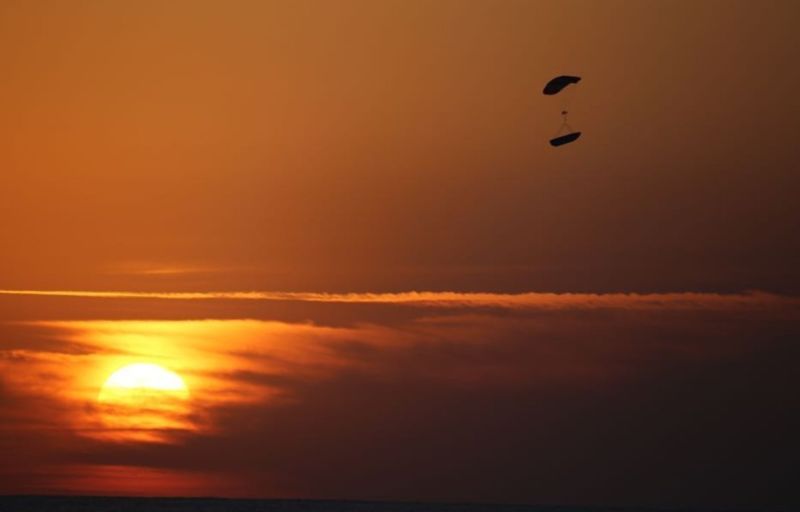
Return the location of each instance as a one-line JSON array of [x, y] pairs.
[[337, 232]]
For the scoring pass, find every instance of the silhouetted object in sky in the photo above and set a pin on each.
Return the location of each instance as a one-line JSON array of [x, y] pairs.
[[555, 86], [565, 139]]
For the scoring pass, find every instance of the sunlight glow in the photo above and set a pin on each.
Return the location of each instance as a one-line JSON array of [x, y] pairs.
[[143, 402], [145, 375]]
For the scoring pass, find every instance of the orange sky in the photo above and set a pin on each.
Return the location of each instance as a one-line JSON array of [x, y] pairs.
[[398, 145], [341, 224]]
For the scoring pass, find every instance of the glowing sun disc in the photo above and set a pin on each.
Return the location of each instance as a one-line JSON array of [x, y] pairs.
[[142, 402], [145, 376]]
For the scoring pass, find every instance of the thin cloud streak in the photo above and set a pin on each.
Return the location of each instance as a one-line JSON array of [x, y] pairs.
[[529, 300]]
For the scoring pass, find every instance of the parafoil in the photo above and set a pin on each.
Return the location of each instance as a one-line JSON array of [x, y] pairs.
[[555, 86]]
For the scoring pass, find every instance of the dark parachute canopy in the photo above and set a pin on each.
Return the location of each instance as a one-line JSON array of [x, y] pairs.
[[555, 86]]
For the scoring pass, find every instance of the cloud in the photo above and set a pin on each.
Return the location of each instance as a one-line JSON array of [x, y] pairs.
[[530, 300], [642, 401], [164, 269], [594, 409]]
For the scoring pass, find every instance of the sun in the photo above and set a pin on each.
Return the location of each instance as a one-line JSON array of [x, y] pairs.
[[144, 402], [145, 376]]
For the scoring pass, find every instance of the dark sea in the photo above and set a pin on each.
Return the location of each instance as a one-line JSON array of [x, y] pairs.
[[115, 504]]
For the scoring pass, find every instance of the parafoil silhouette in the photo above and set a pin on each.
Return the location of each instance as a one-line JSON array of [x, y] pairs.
[[555, 86]]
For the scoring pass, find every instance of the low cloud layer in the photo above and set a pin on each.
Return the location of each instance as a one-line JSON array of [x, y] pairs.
[[679, 399]]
